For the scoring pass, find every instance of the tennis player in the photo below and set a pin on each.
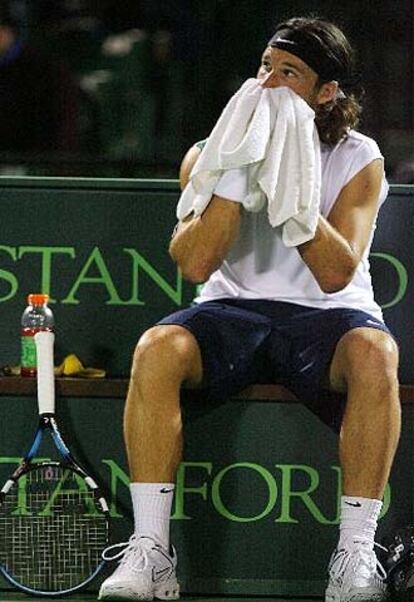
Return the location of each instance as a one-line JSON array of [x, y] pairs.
[[303, 316]]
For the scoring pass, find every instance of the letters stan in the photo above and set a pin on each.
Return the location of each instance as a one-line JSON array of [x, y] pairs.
[[117, 277]]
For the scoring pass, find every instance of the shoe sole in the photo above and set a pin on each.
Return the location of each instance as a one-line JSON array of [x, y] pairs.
[[335, 596], [169, 590]]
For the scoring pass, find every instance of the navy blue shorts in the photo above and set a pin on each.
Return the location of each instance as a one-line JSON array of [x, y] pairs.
[[246, 341]]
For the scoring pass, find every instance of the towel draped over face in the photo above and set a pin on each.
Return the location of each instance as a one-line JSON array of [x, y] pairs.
[[271, 133]]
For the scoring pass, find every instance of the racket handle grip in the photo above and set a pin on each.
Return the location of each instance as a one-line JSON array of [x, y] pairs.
[[44, 341]]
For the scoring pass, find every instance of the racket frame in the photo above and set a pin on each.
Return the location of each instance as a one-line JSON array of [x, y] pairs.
[[47, 422]]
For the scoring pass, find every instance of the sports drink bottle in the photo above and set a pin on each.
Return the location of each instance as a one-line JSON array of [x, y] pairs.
[[36, 317]]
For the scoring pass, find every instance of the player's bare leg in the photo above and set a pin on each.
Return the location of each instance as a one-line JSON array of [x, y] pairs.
[[365, 365], [165, 358]]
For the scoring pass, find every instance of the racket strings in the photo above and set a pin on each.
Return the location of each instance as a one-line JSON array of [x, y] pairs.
[[52, 531]]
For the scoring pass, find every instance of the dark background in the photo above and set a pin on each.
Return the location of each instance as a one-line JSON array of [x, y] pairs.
[[143, 79]]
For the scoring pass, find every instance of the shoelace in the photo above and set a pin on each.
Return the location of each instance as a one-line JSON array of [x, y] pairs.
[[131, 553], [379, 569], [364, 557]]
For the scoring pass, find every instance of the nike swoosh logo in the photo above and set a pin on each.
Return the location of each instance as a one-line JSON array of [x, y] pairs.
[[354, 504], [165, 490], [157, 575]]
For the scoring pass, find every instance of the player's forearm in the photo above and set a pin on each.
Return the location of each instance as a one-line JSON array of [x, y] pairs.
[[186, 249], [330, 258], [201, 244]]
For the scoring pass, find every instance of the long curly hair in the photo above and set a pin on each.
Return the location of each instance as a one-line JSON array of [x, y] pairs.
[[335, 118]]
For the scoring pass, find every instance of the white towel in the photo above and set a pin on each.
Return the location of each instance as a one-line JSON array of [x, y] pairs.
[[272, 134]]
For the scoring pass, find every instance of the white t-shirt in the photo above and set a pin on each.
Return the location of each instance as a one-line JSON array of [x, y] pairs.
[[260, 266]]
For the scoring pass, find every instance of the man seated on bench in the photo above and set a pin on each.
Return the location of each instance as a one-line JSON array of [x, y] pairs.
[[304, 316]]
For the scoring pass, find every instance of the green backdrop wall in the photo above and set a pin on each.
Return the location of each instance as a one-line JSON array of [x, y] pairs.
[[99, 248], [256, 505]]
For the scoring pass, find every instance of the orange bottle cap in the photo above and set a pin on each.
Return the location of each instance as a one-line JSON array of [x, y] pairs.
[[37, 299]]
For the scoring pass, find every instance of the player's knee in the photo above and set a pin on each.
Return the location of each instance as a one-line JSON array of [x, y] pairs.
[[371, 357], [168, 349]]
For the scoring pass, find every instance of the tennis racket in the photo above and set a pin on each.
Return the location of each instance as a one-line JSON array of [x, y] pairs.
[[54, 521]]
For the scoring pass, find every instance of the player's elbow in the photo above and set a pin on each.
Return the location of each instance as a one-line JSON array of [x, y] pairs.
[[193, 270], [194, 277], [196, 272], [332, 286], [335, 281]]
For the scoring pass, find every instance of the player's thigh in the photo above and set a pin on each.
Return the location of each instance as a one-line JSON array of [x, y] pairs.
[[167, 349], [365, 354]]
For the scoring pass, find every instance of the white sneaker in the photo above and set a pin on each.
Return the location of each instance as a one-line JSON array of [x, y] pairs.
[[356, 575], [146, 571]]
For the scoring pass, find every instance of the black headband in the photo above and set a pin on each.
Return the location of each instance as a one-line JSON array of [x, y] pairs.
[[312, 51]]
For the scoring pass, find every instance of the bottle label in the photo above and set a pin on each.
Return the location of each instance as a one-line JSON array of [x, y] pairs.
[[29, 358]]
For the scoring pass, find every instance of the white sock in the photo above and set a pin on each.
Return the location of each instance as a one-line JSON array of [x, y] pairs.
[[359, 518], [151, 503]]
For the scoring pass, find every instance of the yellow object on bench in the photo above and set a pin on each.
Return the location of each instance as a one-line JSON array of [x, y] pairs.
[[72, 366]]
